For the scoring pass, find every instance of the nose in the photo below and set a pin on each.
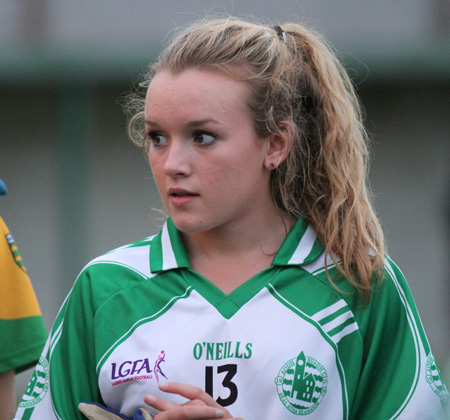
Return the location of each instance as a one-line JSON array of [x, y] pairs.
[[176, 163]]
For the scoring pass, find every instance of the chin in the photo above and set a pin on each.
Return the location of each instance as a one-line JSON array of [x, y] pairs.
[[188, 225]]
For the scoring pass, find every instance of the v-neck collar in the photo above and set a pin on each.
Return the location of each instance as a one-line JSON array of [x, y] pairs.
[[167, 252]]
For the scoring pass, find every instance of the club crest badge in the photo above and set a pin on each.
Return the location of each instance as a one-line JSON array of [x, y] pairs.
[[434, 379], [38, 385], [301, 384]]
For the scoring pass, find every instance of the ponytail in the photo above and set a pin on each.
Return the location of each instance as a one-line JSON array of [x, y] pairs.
[[326, 179]]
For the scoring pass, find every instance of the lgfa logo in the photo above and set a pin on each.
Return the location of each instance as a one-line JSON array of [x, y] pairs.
[[134, 370], [301, 384]]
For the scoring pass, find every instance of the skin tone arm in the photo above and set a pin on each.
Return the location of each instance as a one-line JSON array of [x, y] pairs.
[[7, 395], [200, 405]]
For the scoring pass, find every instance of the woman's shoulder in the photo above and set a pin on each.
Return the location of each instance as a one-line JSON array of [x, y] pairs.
[[113, 272], [389, 294], [132, 259], [392, 293]]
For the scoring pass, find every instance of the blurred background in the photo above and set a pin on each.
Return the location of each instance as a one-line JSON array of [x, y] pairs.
[[78, 187]]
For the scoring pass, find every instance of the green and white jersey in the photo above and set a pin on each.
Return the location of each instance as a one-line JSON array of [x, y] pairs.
[[285, 345]]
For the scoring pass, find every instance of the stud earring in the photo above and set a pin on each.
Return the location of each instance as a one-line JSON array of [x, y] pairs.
[[272, 166]]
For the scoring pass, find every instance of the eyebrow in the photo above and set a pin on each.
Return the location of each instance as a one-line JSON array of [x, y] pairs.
[[193, 124]]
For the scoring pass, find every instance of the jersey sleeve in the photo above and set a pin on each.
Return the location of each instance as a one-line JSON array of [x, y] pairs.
[[22, 329], [66, 372], [399, 378]]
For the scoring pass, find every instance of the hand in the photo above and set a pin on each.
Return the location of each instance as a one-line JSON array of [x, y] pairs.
[[200, 405]]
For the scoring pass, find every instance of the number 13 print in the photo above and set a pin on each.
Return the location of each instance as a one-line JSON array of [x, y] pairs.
[[227, 382]]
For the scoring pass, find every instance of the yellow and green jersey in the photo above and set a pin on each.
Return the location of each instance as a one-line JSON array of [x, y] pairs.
[[285, 345], [22, 330]]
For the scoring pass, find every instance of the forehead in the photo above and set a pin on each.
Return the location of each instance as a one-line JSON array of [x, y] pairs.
[[200, 88]]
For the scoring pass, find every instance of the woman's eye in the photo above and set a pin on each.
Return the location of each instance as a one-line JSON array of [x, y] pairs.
[[204, 139], [157, 139]]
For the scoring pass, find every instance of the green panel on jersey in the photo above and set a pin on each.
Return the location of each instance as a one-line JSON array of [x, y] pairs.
[[391, 360], [404, 289], [137, 301], [73, 350], [21, 343]]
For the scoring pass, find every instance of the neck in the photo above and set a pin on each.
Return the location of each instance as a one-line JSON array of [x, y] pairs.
[[263, 235], [230, 257]]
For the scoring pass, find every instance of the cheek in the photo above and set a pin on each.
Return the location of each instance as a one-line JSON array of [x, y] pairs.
[[156, 170], [153, 163], [230, 181]]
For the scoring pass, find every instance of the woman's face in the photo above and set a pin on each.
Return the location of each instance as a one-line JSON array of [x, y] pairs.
[[207, 161]]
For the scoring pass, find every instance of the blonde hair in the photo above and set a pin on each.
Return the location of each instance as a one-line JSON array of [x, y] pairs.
[[294, 76]]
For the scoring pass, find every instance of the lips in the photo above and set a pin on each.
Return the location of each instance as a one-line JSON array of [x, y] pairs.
[[181, 197]]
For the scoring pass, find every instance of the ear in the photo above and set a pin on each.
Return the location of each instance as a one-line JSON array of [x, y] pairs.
[[279, 145]]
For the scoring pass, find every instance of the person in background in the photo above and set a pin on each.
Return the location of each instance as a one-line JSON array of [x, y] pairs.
[[22, 330], [268, 293]]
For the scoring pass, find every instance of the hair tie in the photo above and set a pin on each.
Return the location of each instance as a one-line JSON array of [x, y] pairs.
[[281, 34]]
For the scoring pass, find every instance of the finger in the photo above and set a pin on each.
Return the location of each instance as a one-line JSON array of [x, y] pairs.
[[190, 392], [191, 412], [163, 405]]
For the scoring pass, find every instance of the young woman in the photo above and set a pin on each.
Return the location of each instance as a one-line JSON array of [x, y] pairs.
[[267, 293]]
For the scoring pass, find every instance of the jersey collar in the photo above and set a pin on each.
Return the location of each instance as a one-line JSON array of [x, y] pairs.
[[301, 246], [167, 251]]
